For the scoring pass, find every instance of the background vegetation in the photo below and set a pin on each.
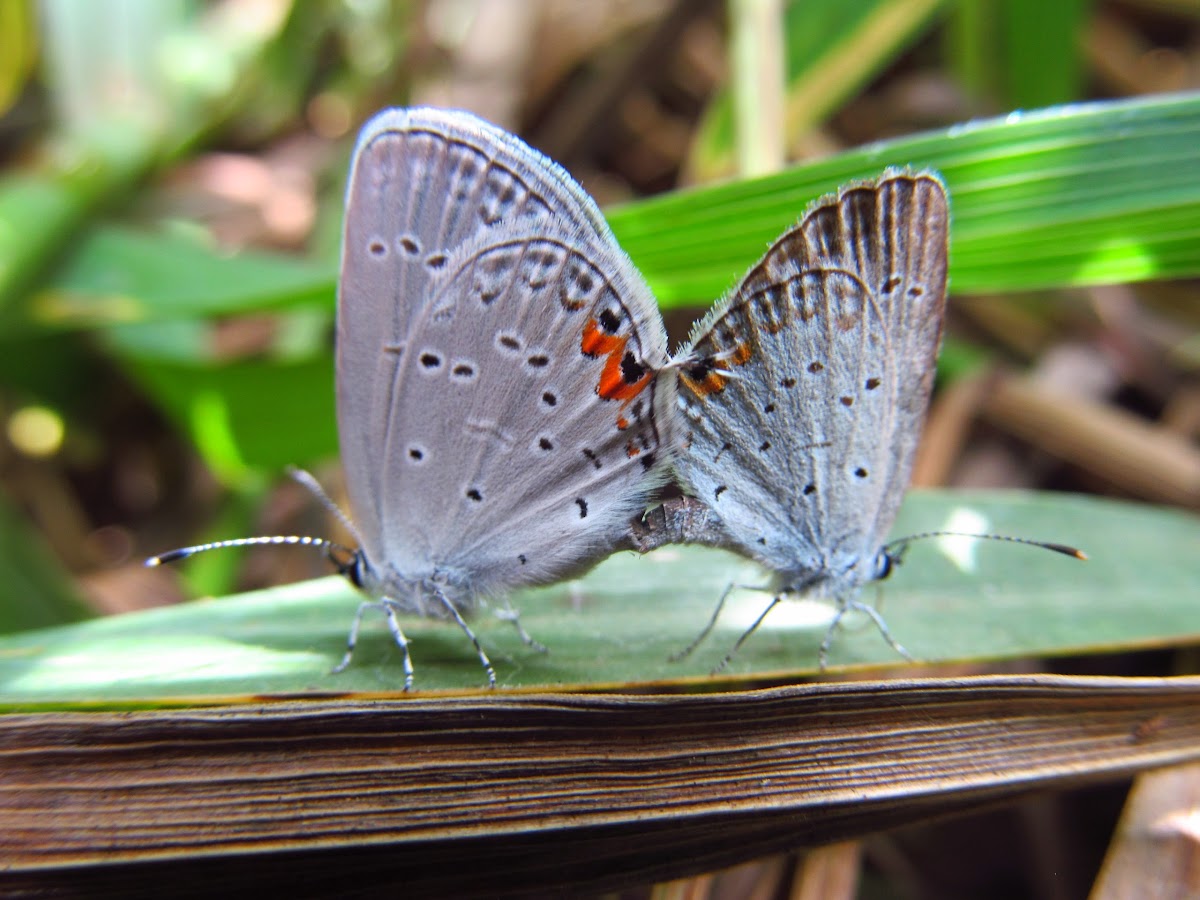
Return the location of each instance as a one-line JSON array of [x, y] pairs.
[[170, 207]]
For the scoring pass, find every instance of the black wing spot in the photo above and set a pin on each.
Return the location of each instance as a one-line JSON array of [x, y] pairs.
[[721, 488], [539, 360], [764, 446], [631, 370], [647, 461], [546, 444], [416, 454], [815, 367], [769, 408], [915, 291], [474, 494], [377, 248], [810, 489], [430, 360], [591, 454], [409, 246], [873, 383], [891, 284], [508, 342], [609, 321], [700, 370], [463, 371], [521, 558], [549, 399], [788, 382], [860, 472], [582, 504], [763, 541], [436, 260], [847, 401]]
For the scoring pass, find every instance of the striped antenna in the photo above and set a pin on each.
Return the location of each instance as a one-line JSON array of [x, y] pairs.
[[332, 549], [897, 548], [343, 557]]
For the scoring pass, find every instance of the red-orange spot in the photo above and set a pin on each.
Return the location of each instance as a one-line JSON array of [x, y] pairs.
[[711, 383], [622, 423], [612, 386], [631, 449], [741, 355]]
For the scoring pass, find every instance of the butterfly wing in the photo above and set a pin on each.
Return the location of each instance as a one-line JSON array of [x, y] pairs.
[[805, 390], [497, 354]]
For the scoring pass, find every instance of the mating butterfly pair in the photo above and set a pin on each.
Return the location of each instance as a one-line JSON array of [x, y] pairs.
[[507, 406]]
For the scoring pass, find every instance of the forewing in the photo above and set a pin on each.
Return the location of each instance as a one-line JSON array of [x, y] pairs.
[[805, 390]]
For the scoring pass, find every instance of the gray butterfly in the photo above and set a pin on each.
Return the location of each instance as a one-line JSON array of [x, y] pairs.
[[803, 394], [499, 410]]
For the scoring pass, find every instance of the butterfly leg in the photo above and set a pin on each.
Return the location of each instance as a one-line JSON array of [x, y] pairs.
[[462, 623], [749, 631], [844, 606], [508, 614], [353, 638], [699, 639], [387, 607], [389, 610]]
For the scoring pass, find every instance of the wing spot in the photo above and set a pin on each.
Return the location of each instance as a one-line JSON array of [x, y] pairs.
[[377, 248], [582, 504], [591, 454], [764, 446], [436, 260], [810, 489], [508, 342], [769, 408], [788, 383], [409, 246], [546, 444], [721, 488], [860, 472], [416, 454], [521, 558], [549, 399], [463, 371], [873, 383], [475, 495], [847, 401], [430, 360], [763, 541], [631, 370], [891, 284], [609, 321], [916, 291], [538, 360], [816, 367], [647, 462]]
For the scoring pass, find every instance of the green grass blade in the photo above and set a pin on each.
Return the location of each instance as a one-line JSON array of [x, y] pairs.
[[621, 622], [1087, 194]]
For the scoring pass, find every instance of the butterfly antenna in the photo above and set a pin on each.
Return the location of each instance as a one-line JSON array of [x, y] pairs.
[[333, 551], [342, 557], [304, 478], [896, 549]]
